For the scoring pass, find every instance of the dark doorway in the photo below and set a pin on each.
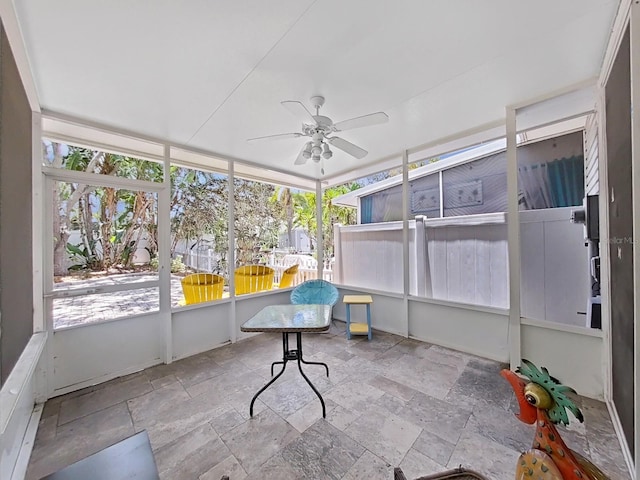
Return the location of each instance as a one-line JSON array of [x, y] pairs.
[[618, 118]]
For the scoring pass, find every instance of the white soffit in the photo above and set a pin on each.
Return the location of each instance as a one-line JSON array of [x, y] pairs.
[[209, 75], [572, 104], [201, 161], [553, 130], [91, 137]]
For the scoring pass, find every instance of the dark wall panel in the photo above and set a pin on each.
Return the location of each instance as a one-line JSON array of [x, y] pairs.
[[618, 115], [16, 298]]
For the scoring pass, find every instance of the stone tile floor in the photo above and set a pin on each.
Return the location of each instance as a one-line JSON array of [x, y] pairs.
[[390, 402]]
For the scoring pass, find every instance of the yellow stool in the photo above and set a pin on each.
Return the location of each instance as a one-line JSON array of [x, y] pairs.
[[358, 328]]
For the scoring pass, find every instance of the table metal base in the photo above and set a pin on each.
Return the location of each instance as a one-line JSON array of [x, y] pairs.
[[290, 355]]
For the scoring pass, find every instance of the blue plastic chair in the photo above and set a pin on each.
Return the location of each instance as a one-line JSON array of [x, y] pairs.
[[318, 292]]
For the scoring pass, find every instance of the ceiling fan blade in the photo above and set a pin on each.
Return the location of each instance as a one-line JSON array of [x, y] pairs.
[[348, 147], [276, 137], [364, 121], [299, 110], [301, 160]]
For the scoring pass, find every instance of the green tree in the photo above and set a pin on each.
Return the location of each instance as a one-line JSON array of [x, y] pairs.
[[333, 214], [284, 201], [305, 214], [199, 211], [257, 220], [111, 222]]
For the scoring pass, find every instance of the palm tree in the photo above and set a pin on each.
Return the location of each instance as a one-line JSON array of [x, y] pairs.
[[305, 214], [284, 197]]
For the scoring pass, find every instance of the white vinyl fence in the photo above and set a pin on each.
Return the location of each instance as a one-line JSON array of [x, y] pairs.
[[307, 267], [198, 260], [465, 260]]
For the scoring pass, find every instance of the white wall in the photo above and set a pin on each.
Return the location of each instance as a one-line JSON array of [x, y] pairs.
[[97, 352], [200, 328], [573, 355], [591, 148], [483, 332]]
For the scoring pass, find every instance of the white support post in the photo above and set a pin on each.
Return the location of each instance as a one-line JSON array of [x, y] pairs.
[[37, 257], [231, 234], [319, 239], [164, 255], [405, 238], [513, 240], [337, 253], [37, 222], [441, 185], [635, 186], [423, 276], [605, 263], [47, 268]]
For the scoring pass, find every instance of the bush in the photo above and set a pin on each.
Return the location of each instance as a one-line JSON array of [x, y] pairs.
[[176, 265]]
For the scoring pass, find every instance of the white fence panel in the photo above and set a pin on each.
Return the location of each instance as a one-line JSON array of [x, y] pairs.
[[466, 261], [371, 256], [467, 264]]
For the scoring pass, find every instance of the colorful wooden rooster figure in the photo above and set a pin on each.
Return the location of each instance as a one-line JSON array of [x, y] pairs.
[[543, 401]]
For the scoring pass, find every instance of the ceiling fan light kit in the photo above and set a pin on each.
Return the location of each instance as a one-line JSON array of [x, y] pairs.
[[326, 153], [321, 130]]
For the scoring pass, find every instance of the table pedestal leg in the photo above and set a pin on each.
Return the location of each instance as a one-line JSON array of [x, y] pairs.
[[299, 338], [291, 355], [299, 335], [265, 387], [285, 352]]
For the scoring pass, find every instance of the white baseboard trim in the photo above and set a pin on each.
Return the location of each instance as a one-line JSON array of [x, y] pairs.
[[462, 348], [199, 351], [104, 378], [617, 426], [20, 470], [17, 399]]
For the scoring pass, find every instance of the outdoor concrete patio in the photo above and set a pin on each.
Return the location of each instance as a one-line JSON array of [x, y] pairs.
[[71, 311], [390, 402]]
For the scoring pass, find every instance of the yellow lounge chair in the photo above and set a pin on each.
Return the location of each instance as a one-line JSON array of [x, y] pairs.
[[253, 278], [289, 277], [202, 287]]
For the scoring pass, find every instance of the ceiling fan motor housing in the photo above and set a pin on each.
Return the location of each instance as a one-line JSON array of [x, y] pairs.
[[321, 129], [317, 101], [323, 125]]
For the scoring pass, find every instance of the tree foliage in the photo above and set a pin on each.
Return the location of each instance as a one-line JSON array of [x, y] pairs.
[[113, 223], [110, 221], [304, 206]]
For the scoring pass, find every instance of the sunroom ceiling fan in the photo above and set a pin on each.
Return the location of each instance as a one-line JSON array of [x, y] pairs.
[[320, 130]]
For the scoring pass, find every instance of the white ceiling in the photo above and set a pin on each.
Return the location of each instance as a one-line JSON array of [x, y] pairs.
[[210, 74]]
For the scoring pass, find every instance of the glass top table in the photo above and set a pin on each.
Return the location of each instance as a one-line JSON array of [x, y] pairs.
[[288, 319]]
